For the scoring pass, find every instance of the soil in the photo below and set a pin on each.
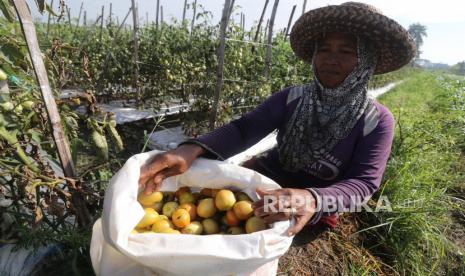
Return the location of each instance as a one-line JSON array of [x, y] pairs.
[[324, 251]]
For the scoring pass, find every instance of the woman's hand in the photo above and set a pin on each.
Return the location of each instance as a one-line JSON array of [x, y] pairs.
[[282, 204], [167, 164]]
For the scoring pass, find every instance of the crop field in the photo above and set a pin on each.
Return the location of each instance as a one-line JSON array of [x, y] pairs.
[[177, 63]]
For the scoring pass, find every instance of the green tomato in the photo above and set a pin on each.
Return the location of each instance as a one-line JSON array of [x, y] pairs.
[[3, 75], [18, 109], [7, 106], [28, 105]]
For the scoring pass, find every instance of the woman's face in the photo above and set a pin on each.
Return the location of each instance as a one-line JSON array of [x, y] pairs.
[[335, 58]]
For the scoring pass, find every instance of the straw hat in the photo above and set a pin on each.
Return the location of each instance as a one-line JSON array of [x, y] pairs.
[[395, 47]]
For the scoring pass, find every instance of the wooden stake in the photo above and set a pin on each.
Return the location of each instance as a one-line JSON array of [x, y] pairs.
[[184, 11], [260, 21], [111, 12], [85, 18], [135, 80], [243, 22], [240, 20], [193, 17], [79, 17], [304, 6], [286, 33], [59, 137], [29, 32], [268, 55], [101, 23], [157, 11], [68, 11], [219, 72], [48, 20], [266, 27], [231, 9], [161, 15]]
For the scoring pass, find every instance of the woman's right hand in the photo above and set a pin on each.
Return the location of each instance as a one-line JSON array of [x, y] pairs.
[[167, 164]]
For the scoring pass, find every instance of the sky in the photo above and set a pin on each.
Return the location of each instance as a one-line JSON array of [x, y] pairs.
[[444, 20]]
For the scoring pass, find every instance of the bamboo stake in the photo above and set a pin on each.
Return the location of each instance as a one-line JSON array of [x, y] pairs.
[[240, 21], [79, 16], [68, 11], [61, 143], [231, 8], [85, 18], [286, 33], [111, 13], [48, 20], [268, 55], [243, 25], [266, 27], [260, 21], [135, 81], [243, 22], [184, 11], [304, 6], [219, 72], [158, 11], [193, 17], [29, 32], [101, 24], [161, 15]]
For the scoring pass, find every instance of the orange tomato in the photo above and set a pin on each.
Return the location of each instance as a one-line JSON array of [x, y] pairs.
[[191, 208], [231, 218], [181, 218]]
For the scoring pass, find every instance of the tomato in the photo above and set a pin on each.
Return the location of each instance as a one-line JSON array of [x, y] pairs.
[[149, 218], [181, 218]]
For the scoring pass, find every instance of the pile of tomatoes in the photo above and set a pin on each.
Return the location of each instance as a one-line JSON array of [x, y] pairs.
[[210, 211]]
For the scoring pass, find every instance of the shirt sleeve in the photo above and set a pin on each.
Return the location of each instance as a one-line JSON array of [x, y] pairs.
[[363, 177], [242, 133]]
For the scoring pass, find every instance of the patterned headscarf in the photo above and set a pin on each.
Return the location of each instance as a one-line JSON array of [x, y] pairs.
[[325, 116]]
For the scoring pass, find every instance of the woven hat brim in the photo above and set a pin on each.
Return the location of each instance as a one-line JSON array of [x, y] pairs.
[[395, 47]]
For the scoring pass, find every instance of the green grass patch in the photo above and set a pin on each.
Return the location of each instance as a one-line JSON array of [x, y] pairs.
[[424, 177]]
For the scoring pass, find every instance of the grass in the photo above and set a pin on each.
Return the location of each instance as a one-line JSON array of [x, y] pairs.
[[425, 184], [423, 176]]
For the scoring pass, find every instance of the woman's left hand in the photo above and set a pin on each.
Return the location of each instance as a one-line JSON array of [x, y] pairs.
[[282, 204]]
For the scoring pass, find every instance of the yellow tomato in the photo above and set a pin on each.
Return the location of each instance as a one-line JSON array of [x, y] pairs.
[[149, 218], [161, 225], [150, 199], [206, 208], [224, 200]]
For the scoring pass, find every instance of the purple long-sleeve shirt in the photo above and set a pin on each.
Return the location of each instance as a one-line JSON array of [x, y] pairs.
[[353, 168]]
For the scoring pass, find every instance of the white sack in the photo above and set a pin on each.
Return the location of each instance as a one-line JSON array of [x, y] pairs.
[[114, 251]]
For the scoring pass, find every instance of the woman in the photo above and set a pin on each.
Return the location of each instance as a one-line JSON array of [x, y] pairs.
[[333, 139]]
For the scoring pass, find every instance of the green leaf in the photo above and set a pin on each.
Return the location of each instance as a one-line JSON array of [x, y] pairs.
[[50, 10], [35, 135], [7, 9]]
